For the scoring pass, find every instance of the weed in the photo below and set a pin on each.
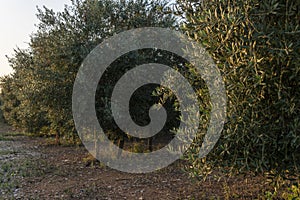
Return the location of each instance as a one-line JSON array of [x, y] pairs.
[[4, 138], [7, 152], [293, 193]]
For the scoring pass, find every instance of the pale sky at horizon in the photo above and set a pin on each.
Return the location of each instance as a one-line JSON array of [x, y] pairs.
[[18, 19]]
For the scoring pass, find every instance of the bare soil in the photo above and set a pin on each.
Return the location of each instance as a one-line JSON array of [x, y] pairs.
[[33, 169]]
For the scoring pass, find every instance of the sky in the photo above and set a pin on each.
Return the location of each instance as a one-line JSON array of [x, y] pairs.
[[17, 23]]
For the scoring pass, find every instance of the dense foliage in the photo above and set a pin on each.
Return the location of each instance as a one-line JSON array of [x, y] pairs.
[[1, 113], [37, 96], [256, 46], [254, 43]]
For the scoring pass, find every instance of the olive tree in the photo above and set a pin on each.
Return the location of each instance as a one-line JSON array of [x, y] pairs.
[[38, 95], [255, 44]]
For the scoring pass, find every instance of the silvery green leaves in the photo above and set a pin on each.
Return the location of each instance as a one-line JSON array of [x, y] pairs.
[[106, 53]]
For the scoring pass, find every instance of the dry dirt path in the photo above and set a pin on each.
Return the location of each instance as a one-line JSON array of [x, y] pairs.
[[33, 169]]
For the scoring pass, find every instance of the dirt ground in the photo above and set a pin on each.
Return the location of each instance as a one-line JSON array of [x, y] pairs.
[[33, 169]]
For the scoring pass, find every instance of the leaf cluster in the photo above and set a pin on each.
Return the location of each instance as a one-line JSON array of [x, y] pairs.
[[256, 46]]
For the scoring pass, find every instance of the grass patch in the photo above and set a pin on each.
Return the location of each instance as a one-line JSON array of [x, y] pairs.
[[7, 152], [12, 173], [15, 134], [10, 135], [8, 183], [2, 138]]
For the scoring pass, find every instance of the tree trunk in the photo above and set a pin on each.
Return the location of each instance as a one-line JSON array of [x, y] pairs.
[[57, 138], [121, 146], [150, 144]]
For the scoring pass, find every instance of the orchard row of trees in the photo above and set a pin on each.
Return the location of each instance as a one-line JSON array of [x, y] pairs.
[[37, 96], [254, 43], [256, 46]]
